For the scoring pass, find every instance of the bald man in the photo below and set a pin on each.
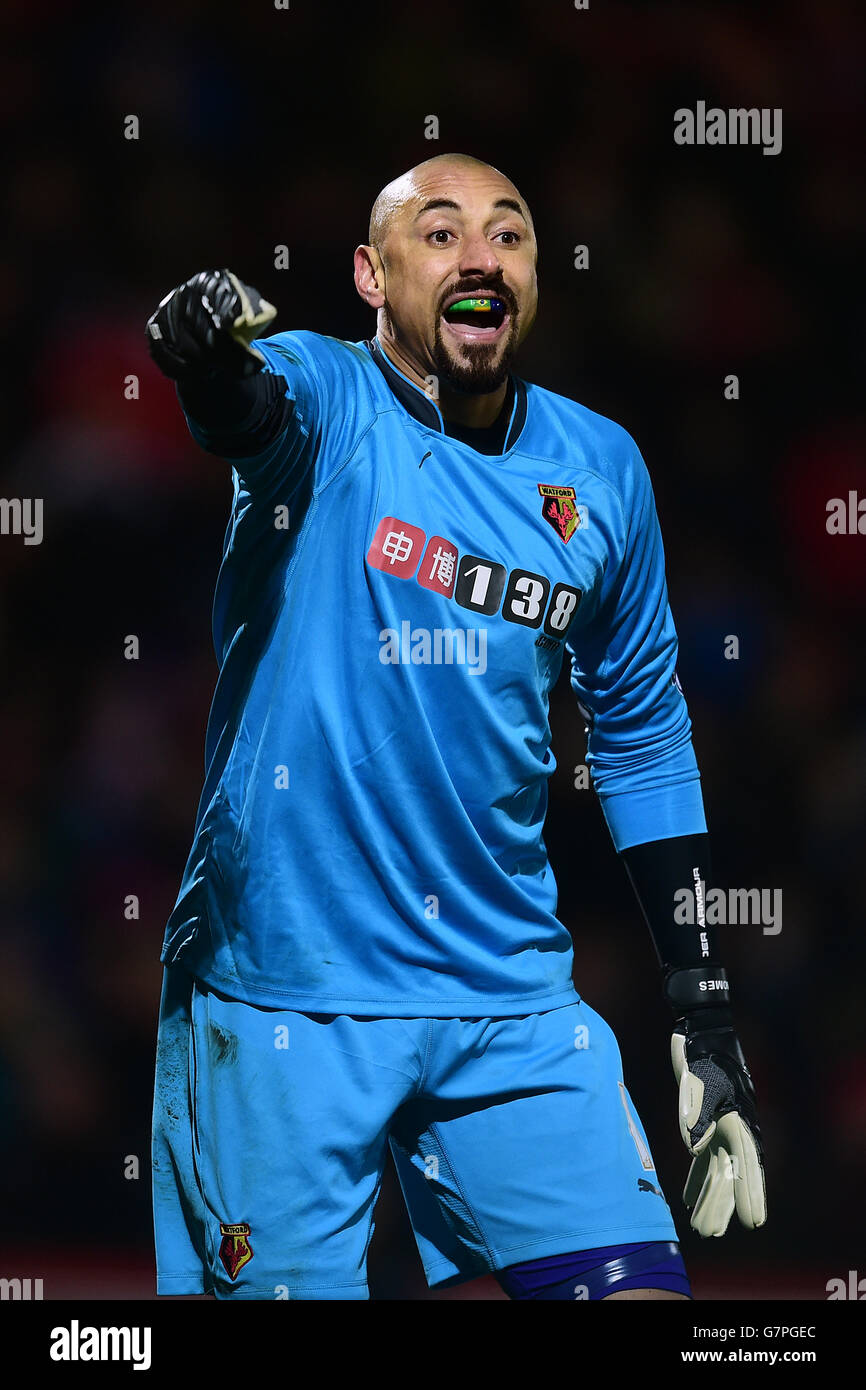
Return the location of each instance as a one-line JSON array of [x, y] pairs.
[[365, 953]]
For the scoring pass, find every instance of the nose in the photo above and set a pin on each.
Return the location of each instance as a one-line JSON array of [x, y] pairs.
[[478, 256]]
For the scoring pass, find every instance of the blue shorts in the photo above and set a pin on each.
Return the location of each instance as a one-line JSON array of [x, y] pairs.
[[513, 1138]]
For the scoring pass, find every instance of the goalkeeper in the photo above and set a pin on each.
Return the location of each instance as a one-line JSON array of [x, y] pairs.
[[364, 953]]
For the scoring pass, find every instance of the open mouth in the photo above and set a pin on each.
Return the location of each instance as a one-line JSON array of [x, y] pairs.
[[478, 318]]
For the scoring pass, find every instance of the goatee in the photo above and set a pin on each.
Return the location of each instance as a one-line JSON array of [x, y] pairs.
[[479, 371]]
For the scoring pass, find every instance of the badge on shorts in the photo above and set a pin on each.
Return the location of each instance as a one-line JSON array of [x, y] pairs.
[[235, 1249], [560, 508]]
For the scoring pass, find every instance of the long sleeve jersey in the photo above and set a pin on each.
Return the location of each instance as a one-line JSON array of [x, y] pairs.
[[391, 612]]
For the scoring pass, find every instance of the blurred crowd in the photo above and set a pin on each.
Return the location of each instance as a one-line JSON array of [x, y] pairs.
[[265, 127]]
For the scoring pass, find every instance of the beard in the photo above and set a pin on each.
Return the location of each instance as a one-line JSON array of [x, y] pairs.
[[474, 368]]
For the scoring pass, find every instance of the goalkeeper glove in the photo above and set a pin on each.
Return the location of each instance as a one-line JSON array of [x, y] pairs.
[[718, 1120], [207, 325]]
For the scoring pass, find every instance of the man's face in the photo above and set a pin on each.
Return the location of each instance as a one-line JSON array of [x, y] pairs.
[[460, 233]]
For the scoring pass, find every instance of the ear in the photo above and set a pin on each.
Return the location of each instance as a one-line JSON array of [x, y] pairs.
[[370, 276]]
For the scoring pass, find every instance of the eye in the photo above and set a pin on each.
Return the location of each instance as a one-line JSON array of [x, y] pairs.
[[439, 232], [515, 237]]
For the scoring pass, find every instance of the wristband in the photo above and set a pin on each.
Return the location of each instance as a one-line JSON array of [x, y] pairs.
[[705, 987]]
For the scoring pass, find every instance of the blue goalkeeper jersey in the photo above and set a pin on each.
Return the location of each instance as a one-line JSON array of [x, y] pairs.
[[391, 612]]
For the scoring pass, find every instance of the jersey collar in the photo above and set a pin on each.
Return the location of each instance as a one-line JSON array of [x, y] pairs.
[[424, 409]]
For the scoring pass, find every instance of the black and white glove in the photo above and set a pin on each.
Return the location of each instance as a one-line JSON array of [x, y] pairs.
[[207, 326], [717, 1114]]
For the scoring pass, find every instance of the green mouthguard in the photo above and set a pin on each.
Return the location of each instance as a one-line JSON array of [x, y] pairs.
[[475, 305]]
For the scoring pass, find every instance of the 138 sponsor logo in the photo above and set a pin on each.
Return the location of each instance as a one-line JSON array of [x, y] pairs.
[[473, 581]]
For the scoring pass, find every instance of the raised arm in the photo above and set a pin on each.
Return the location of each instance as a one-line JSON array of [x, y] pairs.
[[253, 405]]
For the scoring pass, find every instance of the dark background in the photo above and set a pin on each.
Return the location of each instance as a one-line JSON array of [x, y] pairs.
[[260, 127]]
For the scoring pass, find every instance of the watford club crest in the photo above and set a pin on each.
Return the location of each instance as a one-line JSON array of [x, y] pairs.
[[235, 1248], [559, 507]]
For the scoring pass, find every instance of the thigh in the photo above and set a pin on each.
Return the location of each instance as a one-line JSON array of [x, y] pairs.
[[526, 1144], [178, 1212], [289, 1120]]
